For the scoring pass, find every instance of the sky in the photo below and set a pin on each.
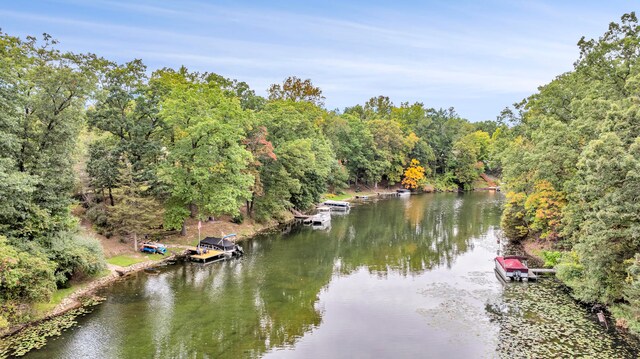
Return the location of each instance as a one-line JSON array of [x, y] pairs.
[[475, 56]]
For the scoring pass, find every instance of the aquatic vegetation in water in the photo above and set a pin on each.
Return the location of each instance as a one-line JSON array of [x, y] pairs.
[[36, 336], [542, 321]]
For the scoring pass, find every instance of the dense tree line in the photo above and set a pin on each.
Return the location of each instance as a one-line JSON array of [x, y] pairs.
[[572, 164], [144, 152], [43, 93]]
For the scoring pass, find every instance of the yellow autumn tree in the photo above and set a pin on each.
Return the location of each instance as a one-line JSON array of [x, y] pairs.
[[544, 209], [414, 177]]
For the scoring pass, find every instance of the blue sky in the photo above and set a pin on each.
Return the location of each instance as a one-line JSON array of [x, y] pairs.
[[477, 56]]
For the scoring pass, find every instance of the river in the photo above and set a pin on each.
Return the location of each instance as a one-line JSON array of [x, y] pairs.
[[399, 278]]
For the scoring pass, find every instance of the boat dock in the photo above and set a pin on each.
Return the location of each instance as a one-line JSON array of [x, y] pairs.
[[534, 273], [542, 270], [205, 256], [388, 194]]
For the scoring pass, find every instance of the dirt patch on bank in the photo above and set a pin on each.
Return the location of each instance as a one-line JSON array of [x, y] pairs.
[[111, 246], [219, 227], [534, 248]]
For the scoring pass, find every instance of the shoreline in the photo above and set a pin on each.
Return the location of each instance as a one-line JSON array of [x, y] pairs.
[[77, 299]]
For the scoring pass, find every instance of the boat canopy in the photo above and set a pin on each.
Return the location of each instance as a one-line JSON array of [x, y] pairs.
[[219, 243], [511, 264]]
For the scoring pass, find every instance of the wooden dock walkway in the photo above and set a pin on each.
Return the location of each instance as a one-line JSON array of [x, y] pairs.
[[208, 256], [535, 272], [542, 270]]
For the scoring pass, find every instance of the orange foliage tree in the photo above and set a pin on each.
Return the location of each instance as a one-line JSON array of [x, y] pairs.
[[414, 176], [544, 208]]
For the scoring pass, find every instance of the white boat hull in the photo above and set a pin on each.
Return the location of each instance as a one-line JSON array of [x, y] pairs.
[[511, 275]]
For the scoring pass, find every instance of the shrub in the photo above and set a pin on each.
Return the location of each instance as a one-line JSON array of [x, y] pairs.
[[551, 258], [75, 255], [97, 214], [238, 218], [24, 275]]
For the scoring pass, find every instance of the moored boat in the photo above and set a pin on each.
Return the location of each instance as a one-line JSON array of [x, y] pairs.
[[224, 244], [403, 192], [338, 205], [321, 221], [323, 209], [512, 267]]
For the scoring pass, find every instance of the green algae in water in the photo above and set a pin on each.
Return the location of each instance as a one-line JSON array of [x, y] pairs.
[[36, 336], [542, 321]]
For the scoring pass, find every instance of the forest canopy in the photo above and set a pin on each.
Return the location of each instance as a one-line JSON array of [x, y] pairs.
[[136, 152]]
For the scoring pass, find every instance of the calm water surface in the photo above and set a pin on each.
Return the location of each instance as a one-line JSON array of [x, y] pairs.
[[399, 278]]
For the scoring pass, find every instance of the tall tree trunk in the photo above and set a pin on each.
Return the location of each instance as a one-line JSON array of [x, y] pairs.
[[183, 231], [135, 241], [193, 209], [250, 205], [111, 197]]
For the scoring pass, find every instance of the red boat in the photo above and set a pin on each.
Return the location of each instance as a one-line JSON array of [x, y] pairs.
[[511, 267]]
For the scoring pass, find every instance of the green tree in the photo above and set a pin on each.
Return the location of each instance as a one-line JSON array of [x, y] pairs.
[[206, 166], [412, 118], [134, 213], [354, 146], [306, 164], [464, 163], [262, 151], [24, 278], [391, 151], [44, 91], [296, 89], [445, 129], [469, 155], [127, 108], [378, 108], [608, 213], [24, 275], [103, 166]]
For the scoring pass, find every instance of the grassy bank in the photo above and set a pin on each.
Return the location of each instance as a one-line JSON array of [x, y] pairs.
[[128, 260], [42, 309]]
